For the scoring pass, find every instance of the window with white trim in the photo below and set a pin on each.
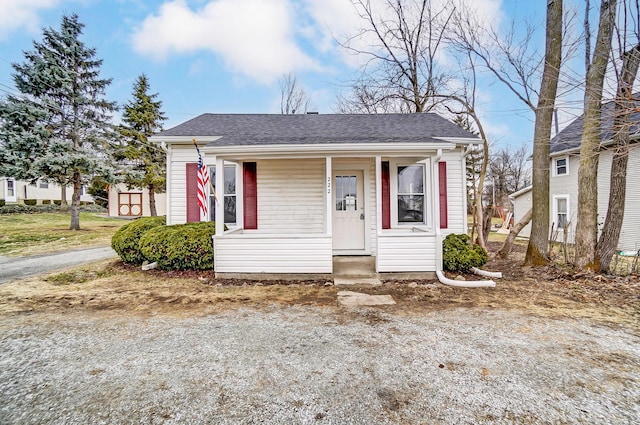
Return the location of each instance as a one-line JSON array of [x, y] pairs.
[[561, 207], [229, 194], [410, 195], [561, 166]]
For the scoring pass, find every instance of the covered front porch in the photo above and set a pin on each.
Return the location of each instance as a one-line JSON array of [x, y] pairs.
[[306, 210]]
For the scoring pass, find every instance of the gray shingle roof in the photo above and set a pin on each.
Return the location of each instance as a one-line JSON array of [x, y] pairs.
[[571, 136], [264, 129]]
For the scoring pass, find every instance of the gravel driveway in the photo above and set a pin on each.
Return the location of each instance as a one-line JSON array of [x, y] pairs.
[[304, 365]]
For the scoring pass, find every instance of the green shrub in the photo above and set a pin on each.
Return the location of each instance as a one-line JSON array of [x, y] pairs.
[[18, 209], [181, 246], [46, 201], [30, 201], [125, 241], [459, 256], [2, 202]]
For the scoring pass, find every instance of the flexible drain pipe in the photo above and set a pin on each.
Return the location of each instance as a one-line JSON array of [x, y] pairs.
[[464, 283], [479, 272]]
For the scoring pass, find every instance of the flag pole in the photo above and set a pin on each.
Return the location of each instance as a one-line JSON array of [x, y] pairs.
[[213, 190]]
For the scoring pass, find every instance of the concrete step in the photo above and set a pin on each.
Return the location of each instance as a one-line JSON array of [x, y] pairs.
[[354, 266]]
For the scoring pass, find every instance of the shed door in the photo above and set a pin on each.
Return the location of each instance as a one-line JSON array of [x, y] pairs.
[[130, 204], [348, 211]]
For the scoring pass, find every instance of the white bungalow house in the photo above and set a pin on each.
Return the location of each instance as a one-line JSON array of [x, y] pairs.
[[296, 190], [563, 181], [14, 191]]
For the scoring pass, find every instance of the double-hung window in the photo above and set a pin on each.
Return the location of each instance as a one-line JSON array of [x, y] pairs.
[[561, 166], [410, 195], [228, 200], [562, 211]]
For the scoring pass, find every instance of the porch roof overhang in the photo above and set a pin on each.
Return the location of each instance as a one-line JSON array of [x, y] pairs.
[[283, 149]]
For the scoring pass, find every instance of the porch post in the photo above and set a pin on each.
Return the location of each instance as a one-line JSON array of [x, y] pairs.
[[435, 210], [328, 196], [220, 196], [378, 189]]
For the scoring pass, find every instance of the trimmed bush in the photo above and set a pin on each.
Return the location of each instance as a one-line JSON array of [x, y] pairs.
[[57, 202], [459, 256], [46, 201], [2, 202], [18, 209], [125, 241], [181, 246], [30, 201]]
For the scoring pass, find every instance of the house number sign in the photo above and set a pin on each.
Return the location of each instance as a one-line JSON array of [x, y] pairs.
[[328, 185]]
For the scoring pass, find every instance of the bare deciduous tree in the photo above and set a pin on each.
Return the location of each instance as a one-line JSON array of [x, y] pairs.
[[587, 219], [401, 73], [515, 63], [625, 104], [293, 98]]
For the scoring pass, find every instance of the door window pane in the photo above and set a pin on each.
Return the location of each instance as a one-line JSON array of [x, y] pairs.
[[411, 194], [346, 189]]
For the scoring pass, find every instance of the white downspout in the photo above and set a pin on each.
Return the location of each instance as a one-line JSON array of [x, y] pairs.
[[436, 221]]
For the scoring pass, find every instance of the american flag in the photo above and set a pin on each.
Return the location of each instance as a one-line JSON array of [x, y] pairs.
[[203, 182]]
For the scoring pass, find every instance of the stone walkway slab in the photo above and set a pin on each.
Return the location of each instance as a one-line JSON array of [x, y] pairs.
[[356, 281], [350, 298]]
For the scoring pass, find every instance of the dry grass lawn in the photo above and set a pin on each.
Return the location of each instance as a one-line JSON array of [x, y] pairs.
[[112, 286]]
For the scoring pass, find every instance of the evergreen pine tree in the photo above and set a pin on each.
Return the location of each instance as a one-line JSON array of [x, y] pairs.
[[146, 162], [70, 139]]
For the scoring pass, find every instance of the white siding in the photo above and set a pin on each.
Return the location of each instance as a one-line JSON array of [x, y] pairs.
[[180, 156], [565, 185], [456, 193], [630, 232], [252, 253], [406, 252], [291, 196]]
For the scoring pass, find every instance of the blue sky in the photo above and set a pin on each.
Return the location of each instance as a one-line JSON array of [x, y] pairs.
[[225, 56]]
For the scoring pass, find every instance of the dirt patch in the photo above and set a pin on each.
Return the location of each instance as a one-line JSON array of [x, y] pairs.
[[112, 286]]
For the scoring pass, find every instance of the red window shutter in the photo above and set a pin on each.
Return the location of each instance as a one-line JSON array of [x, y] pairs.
[[250, 195], [193, 210], [442, 184], [386, 196]]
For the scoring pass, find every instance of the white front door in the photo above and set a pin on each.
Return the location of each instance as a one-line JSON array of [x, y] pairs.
[[348, 211]]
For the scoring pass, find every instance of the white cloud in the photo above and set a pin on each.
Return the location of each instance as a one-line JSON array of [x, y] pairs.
[[18, 14], [254, 37]]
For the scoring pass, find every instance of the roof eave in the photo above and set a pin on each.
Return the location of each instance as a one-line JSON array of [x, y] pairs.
[[328, 149]]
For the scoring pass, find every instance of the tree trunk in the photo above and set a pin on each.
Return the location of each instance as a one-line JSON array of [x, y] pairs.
[[515, 230], [63, 197], [608, 242], [152, 200], [75, 201], [587, 222], [539, 240]]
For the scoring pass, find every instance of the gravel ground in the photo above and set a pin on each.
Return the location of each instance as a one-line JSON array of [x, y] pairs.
[[302, 365]]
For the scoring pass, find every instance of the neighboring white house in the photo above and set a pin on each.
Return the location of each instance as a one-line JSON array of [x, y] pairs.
[[16, 191], [521, 204], [563, 182], [124, 202], [297, 190]]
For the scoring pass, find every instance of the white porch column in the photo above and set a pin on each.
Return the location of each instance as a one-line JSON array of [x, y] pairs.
[[435, 202], [378, 206], [220, 196], [328, 196]]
